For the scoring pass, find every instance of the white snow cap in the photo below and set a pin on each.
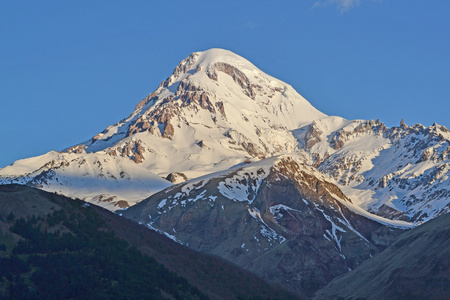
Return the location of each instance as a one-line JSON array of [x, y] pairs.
[[220, 72], [214, 55]]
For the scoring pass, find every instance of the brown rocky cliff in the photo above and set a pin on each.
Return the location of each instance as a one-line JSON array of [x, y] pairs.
[[295, 232]]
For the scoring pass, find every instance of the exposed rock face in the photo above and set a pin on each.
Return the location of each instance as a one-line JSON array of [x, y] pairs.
[[342, 136], [312, 136], [239, 77], [221, 108], [176, 177], [79, 149], [237, 138], [133, 149], [111, 200], [150, 98], [142, 124], [283, 221]]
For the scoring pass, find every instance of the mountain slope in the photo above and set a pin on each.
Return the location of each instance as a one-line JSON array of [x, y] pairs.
[[415, 266], [280, 219], [111, 182], [55, 247]]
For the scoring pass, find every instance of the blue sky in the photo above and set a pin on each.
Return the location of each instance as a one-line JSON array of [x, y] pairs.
[[68, 69]]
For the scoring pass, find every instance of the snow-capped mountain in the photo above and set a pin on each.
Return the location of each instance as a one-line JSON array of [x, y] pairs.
[[217, 110], [276, 217], [400, 172], [214, 111]]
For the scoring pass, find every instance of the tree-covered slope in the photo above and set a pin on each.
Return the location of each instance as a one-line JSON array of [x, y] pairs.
[[52, 247]]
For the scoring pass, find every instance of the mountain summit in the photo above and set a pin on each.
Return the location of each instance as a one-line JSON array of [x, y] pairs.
[[215, 108]]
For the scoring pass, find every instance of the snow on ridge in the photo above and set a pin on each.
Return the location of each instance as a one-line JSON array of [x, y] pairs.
[[265, 230], [170, 236], [244, 185], [96, 177], [391, 223], [404, 168], [29, 165]]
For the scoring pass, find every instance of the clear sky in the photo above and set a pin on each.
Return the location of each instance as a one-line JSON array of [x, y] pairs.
[[68, 69]]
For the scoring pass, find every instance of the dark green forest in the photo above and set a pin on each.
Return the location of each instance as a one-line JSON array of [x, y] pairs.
[[71, 255]]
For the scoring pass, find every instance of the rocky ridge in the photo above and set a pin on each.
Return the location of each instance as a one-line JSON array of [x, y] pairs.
[[399, 172], [278, 218]]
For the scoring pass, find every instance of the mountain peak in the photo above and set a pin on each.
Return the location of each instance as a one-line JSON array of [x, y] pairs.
[[216, 99], [216, 110], [200, 68], [216, 55]]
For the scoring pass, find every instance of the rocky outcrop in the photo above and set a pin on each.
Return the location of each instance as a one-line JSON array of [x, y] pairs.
[[79, 149], [133, 149], [140, 125], [255, 150], [176, 177], [102, 199], [150, 98], [342, 136], [221, 108], [239, 77], [312, 136]]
